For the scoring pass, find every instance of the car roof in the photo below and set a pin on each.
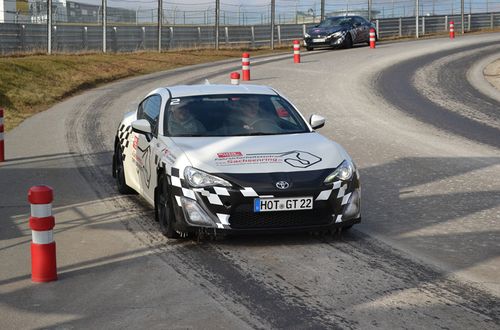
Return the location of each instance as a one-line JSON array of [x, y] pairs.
[[193, 90]]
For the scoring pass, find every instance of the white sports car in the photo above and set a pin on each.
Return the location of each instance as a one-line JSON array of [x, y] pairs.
[[230, 158]]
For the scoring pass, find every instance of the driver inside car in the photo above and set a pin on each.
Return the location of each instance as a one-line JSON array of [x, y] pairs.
[[182, 122]]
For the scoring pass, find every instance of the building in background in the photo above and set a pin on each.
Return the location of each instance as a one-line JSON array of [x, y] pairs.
[[76, 12]]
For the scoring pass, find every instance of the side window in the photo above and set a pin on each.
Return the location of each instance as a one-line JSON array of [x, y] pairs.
[[151, 111]]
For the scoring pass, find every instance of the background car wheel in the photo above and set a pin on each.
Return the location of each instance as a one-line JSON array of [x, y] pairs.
[[347, 41], [166, 216], [309, 48], [121, 185]]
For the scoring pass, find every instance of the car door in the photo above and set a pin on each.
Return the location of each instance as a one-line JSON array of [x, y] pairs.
[[359, 30], [149, 110]]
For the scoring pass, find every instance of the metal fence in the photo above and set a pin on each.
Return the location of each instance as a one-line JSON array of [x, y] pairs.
[[105, 32]]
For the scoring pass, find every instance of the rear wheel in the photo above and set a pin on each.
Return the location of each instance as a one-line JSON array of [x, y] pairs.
[[165, 211], [309, 48], [121, 185]]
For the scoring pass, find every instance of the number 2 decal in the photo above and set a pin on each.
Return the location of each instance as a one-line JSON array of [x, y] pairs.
[[175, 101]]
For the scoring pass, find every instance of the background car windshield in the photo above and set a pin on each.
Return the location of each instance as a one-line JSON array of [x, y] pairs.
[[336, 21], [232, 115]]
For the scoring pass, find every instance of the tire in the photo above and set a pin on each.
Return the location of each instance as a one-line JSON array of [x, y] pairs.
[[346, 228], [121, 185], [165, 211], [308, 48], [347, 41]]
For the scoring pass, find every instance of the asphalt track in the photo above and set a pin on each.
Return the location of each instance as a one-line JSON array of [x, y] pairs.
[[425, 256]]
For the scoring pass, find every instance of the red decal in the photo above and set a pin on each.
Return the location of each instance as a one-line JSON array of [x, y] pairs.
[[229, 154], [136, 142]]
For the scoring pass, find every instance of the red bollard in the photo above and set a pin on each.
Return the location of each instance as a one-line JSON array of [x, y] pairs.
[[245, 66], [296, 51], [2, 146], [43, 247], [452, 30], [235, 78], [372, 38]]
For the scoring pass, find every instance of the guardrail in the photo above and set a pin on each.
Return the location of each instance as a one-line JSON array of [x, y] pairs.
[[126, 38]]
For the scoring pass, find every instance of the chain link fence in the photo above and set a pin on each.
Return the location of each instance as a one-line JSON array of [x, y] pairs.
[[131, 25]]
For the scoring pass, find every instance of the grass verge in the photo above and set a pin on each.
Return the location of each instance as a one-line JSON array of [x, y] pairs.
[[32, 83]]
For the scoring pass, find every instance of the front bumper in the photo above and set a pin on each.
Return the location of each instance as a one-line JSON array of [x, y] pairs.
[[231, 209], [328, 41]]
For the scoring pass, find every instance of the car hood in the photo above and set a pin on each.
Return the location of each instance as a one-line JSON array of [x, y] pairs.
[[261, 154], [324, 31]]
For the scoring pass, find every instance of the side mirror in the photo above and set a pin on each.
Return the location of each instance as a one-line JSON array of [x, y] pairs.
[[316, 121], [141, 126]]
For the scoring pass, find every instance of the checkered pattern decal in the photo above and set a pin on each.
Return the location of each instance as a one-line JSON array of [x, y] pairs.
[[219, 197], [339, 190], [123, 135]]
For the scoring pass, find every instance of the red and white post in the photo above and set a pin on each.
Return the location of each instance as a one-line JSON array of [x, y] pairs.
[[43, 247], [296, 51], [245, 66], [373, 38], [235, 78], [2, 145], [452, 30]]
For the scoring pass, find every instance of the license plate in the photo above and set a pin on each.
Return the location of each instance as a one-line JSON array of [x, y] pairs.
[[319, 40], [282, 204]]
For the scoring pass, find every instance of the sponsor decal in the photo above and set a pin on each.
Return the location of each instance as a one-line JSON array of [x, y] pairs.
[[229, 154], [296, 158], [136, 142]]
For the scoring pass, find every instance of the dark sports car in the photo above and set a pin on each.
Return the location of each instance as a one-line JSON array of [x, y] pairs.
[[340, 31]]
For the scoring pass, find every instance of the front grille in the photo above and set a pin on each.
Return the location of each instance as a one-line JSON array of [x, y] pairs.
[[280, 219]]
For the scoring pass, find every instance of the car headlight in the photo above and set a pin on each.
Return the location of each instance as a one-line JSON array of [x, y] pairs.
[[198, 179], [337, 34], [343, 172], [306, 35]]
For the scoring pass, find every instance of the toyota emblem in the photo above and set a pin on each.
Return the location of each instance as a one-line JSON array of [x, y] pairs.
[[282, 185]]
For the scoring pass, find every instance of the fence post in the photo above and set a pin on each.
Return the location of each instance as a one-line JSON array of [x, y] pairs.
[[377, 25], [253, 36], [273, 12], [85, 38], [400, 27], [446, 22], [217, 24], [104, 25], [22, 36], [55, 44], [49, 27], [468, 22], [226, 35], [303, 29], [115, 39], [199, 36], [171, 41], [160, 23], [143, 37], [423, 25], [492, 21], [279, 35]]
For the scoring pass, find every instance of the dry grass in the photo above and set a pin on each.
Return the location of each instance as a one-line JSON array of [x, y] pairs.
[[31, 83]]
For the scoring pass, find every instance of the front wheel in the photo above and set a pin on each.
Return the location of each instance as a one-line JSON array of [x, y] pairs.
[[347, 41], [121, 185], [309, 48], [165, 211]]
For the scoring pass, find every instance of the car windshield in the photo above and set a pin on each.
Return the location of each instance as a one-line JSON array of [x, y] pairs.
[[232, 115], [336, 21]]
